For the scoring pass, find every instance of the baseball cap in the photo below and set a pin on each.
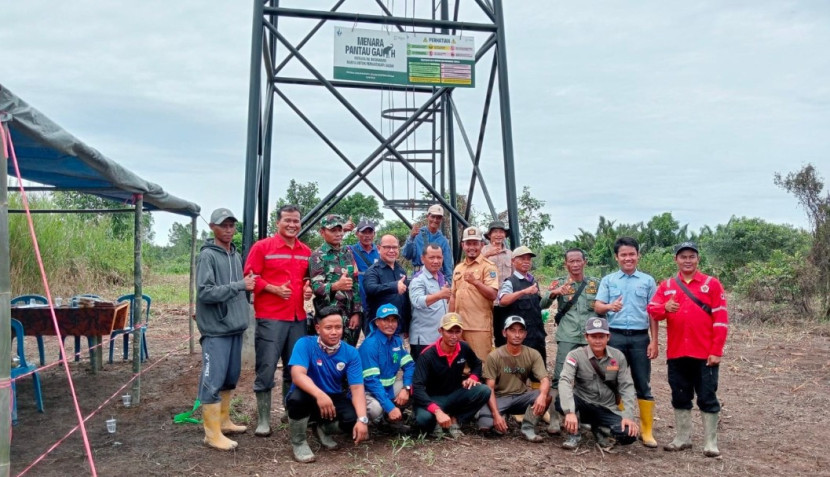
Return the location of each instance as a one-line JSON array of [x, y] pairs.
[[366, 224], [451, 320], [496, 224], [683, 246], [331, 221], [471, 233], [597, 325], [435, 210], [514, 319], [387, 310], [523, 250], [220, 215]]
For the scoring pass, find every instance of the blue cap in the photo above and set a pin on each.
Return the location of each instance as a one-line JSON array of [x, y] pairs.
[[387, 310]]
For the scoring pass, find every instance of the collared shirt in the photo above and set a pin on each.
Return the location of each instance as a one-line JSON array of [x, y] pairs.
[[476, 311], [438, 373], [691, 332], [381, 286], [636, 289], [579, 378], [274, 263], [571, 328], [325, 267], [503, 261], [414, 248], [330, 372], [423, 327], [372, 256]]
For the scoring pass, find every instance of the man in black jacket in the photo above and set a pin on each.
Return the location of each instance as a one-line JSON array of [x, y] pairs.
[[444, 399], [385, 282]]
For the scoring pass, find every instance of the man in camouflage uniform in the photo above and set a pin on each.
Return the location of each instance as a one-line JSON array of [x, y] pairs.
[[571, 318], [331, 268]]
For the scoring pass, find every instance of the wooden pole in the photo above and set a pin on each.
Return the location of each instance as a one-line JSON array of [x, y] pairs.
[[192, 313], [138, 303], [5, 312]]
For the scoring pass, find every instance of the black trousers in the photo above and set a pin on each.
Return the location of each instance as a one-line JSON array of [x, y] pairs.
[[299, 405], [598, 416], [690, 376]]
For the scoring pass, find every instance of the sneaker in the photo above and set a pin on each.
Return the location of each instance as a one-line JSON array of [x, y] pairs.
[[571, 442]]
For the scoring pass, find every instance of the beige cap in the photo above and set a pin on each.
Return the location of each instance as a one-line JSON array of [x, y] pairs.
[[523, 250], [435, 210], [472, 233], [451, 320]]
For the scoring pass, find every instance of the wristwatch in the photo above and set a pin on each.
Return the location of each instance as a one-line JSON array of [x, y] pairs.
[[363, 420]]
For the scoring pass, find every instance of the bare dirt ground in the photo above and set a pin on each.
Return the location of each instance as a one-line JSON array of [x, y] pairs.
[[774, 388]]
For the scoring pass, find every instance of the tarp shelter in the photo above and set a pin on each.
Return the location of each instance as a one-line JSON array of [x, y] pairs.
[[51, 156]]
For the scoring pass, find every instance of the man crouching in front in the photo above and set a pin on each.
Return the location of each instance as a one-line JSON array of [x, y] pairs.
[[319, 364]]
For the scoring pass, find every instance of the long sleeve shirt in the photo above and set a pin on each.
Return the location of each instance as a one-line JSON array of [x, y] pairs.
[[579, 378], [439, 374], [275, 263], [413, 248], [325, 267], [380, 282], [691, 332], [423, 327], [382, 357]]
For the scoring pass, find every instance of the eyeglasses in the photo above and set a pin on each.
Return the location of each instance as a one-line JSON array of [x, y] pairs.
[[389, 247]]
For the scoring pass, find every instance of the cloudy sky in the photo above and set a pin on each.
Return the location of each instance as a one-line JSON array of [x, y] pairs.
[[620, 109]]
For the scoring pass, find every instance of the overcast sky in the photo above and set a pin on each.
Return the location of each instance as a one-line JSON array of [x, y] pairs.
[[620, 109]]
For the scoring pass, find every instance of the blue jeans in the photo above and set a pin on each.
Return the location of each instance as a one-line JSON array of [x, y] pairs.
[[462, 404], [635, 348], [690, 376]]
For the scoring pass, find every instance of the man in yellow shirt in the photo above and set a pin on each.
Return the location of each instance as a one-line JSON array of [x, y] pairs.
[[474, 287]]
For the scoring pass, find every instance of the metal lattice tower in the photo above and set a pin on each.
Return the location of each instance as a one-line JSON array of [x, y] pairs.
[[432, 113]]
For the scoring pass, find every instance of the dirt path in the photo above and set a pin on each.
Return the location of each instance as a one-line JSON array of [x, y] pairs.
[[775, 390]]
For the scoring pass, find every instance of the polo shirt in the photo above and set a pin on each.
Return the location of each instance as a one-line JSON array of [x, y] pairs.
[[438, 373], [636, 289], [329, 372]]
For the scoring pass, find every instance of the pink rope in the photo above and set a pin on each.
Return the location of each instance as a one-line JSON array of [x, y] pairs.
[[25, 201], [88, 417]]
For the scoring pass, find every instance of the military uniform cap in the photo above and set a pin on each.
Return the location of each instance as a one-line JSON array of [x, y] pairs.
[[331, 221]]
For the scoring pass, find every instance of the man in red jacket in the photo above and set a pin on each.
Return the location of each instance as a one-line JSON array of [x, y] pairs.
[[280, 264], [694, 307]]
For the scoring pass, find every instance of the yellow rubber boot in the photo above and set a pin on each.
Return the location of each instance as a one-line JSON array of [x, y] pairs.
[[647, 422], [226, 425], [211, 414]]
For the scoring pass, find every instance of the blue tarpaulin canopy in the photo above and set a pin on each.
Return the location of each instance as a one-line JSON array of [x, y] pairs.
[[49, 155]]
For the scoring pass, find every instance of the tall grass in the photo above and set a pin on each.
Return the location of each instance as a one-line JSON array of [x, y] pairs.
[[80, 256]]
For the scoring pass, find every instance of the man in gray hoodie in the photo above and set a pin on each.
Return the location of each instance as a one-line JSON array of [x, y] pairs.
[[222, 316]]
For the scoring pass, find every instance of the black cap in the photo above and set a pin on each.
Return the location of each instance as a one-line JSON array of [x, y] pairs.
[[684, 246], [366, 224]]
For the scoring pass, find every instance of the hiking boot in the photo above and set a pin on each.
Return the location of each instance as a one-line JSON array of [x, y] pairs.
[[572, 441]]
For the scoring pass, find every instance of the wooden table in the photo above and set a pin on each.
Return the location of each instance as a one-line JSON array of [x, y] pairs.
[[93, 322]]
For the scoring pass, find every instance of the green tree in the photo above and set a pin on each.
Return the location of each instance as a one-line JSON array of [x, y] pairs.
[[358, 206], [807, 187], [122, 224], [532, 222]]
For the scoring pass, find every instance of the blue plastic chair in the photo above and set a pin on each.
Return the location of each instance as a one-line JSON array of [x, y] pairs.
[[40, 300], [131, 326], [78, 338], [17, 329]]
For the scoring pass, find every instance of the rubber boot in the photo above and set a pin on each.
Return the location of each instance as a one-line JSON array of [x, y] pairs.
[[529, 426], [710, 433], [211, 415], [683, 426], [226, 425], [299, 444], [263, 411], [647, 422], [572, 441], [285, 388], [325, 429], [554, 427]]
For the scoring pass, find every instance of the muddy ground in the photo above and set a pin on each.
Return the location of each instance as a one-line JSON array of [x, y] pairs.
[[774, 390]]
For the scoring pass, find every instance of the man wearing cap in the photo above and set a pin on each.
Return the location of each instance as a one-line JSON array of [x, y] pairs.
[[280, 265], [497, 252], [575, 295], [331, 268], [429, 294], [623, 297], [474, 288], [419, 238], [382, 354], [328, 387], [594, 380], [222, 317], [365, 254], [694, 307], [519, 295], [444, 399], [506, 372], [386, 282]]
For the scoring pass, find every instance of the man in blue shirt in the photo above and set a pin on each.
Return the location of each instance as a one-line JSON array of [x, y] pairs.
[[320, 367], [419, 238], [623, 297], [365, 254], [383, 355]]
